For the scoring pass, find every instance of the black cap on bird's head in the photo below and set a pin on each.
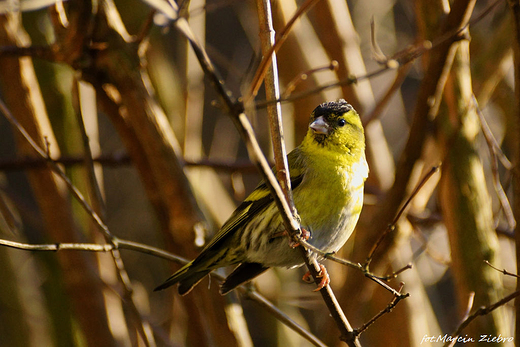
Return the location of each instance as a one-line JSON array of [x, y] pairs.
[[335, 107]]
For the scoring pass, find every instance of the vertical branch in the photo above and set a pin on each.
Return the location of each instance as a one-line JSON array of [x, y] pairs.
[[272, 90], [266, 60]]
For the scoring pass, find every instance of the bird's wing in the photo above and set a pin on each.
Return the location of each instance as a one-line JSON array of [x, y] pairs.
[[257, 201], [190, 274]]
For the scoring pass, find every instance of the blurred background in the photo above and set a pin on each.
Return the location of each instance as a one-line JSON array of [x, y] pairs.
[[114, 93]]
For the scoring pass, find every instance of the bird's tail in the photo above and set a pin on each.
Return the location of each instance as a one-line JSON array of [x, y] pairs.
[[188, 276]]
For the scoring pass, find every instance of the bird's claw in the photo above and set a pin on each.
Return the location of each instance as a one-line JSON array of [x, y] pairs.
[[323, 274], [307, 277], [305, 235]]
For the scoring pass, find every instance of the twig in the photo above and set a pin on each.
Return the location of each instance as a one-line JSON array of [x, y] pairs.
[[469, 306], [482, 311], [303, 76], [495, 153], [391, 227], [282, 167], [281, 316], [402, 72], [56, 169], [514, 6], [397, 297], [122, 159], [274, 111], [266, 60], [504, 271], [27, 163], [236, 111], [363, 268], [347, 81], [377, 52]]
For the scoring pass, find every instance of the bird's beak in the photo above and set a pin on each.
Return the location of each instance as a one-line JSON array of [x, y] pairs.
[[319, 126]]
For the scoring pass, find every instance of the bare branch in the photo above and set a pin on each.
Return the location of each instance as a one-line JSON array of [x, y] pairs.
[[471, 300], [482, 311], [266, 60], [391, 227], [495, 153], [504, 271], [397, 297]]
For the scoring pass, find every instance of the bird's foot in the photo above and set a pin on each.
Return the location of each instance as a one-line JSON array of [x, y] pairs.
[[323, 274], [306, 235]]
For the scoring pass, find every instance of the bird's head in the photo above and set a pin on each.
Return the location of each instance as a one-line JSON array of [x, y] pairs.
[[336, 125]]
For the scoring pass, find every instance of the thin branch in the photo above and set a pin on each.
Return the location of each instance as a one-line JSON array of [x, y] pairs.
[[42, 52], [482, 311], [402, 72], [282, 167], [122, 159], [397, 297], [280, 315], [514, 6], [361, 267], [504, 271], [490, 138], [403, 57], [266, 60], [28, 163], [377, 52], [274, 111], [391, 227], [469, 306], [347, 81], [333, 66], [495, 152], [56, 169]]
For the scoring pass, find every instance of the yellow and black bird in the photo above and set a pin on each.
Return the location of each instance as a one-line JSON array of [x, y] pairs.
[[328, 170]]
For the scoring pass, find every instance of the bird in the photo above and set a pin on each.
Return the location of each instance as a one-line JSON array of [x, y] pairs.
[[327, 174]]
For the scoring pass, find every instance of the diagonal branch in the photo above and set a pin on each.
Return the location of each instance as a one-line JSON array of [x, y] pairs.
[[482, 311]]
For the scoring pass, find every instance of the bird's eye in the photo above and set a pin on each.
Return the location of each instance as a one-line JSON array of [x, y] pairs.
[[341, 122]]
